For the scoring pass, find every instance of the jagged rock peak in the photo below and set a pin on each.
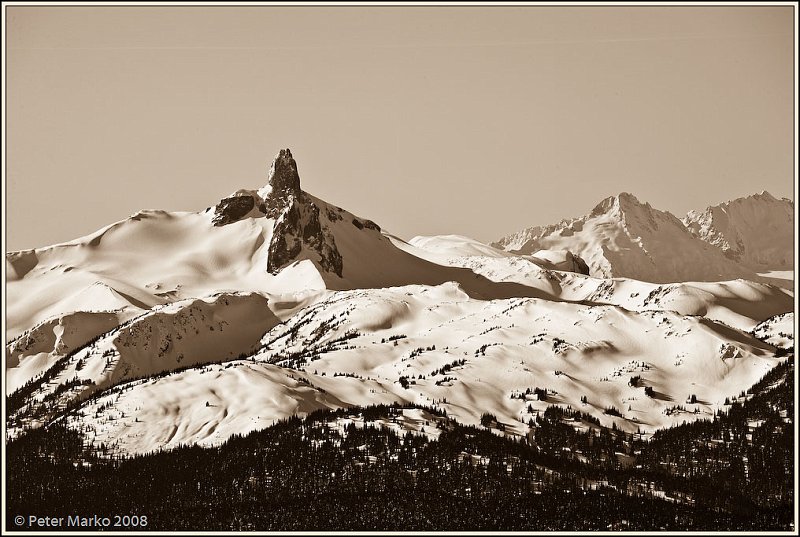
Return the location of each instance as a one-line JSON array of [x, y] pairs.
[[283, 176]]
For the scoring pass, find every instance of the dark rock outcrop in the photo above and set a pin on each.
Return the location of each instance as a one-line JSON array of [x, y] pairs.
[[361, 223], [577, 263], [369, 224], [232, 209]]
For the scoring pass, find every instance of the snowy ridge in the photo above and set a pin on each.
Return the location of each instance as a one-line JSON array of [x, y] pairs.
[[437, 346], [755, 230], [778, 330], [38, 349], [183, 334]]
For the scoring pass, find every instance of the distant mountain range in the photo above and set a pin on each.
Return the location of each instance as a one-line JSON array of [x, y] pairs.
[[623, 237], [756, 230]]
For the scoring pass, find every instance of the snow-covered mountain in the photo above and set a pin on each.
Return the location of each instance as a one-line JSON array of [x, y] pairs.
[[278, 240], [174, 327], [431, 345], [623, 237], [756, 230]]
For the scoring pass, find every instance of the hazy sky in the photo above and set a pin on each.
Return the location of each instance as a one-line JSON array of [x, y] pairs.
[[431, 120]]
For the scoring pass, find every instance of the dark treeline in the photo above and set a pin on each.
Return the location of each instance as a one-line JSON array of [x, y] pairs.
[[734, 472]]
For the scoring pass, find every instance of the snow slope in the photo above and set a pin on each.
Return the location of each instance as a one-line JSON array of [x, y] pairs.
[[455, 246], [185, 333], [451, 249], [464, 355], [778, 330], [150, 258]]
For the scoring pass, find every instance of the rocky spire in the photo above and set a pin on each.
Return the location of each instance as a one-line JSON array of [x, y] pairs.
[[283, 177], [283, 187], [300, 227]]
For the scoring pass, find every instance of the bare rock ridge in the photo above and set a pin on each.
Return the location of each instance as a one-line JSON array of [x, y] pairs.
[[300, 227]]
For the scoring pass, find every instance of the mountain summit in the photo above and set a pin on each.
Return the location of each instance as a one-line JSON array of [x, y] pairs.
[[283, 174], [283, 183], [277, 239], [282, 188], [624, 237], [622, 202], [297, 225]]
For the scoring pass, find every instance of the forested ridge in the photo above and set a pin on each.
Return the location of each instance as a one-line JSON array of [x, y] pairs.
[[735, 472]]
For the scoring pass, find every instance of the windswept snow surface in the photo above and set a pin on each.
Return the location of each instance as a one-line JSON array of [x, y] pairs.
[[151, 258], [39, 348], [443, 246], [166, 338], [156, 257]]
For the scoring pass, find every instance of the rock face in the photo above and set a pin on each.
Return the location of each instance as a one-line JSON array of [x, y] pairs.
[[232, 209], [299, 227], [575, 264], [362, 223], [283, 185]]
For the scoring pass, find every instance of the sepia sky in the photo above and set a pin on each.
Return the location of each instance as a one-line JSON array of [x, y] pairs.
[[470, 120]]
